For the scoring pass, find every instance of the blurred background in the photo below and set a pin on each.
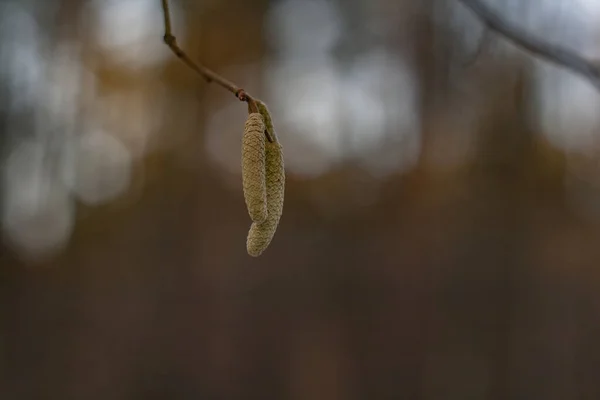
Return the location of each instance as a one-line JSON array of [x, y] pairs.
[[441, 231]]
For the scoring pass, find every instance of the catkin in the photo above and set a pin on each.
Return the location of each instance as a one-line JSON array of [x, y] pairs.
[[264, 111], [261, 233], [253, 167]]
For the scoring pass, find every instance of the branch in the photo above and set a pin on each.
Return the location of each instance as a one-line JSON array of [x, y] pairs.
[[556, 54], [208, 74]]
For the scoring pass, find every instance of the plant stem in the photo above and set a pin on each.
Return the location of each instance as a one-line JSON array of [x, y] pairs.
[[208, 74]]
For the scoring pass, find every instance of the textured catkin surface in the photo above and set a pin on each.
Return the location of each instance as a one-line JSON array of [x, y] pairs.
[[253, 167], [261, 234], [264, 111]]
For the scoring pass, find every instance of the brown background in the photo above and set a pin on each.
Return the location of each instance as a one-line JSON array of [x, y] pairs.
[[477, 280]]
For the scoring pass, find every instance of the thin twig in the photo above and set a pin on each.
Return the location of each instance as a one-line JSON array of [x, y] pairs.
[[208, 74], [556, 54]]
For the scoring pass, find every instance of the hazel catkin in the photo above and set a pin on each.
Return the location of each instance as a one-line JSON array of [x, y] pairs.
[[261, 233], [253, 167], [264, 111]]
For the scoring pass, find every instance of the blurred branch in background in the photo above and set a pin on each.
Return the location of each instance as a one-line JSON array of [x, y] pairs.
[[548, 51], [485, 40]]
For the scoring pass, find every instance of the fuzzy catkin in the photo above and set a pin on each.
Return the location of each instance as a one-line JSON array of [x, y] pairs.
[[253, 167], [261, 234], [264, 111]]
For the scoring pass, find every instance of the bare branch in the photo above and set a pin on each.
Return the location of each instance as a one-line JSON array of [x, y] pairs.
[[208, 74], [556, 54]]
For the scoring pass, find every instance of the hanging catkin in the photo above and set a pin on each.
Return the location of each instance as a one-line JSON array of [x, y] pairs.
[[253, 167], [264, 111], [262, 233]]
